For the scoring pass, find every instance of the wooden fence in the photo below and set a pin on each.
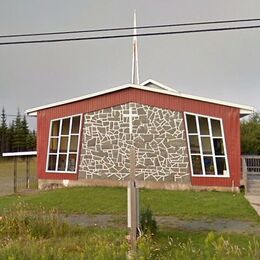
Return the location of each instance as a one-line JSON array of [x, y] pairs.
[[18, 173]]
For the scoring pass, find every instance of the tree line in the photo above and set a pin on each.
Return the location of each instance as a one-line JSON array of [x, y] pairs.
[[250, 135], [16, 136]]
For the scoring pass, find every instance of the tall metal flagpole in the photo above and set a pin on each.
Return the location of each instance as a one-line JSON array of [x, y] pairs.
[[133, 205], [135, 66]]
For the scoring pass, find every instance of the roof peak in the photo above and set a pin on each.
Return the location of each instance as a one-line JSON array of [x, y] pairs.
[[244, 110], [158, 84]]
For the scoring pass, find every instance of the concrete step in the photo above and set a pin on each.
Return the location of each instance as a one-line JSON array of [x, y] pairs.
[[253, 186], [253, 183], [253, 180], [253, 191], [253, 177]]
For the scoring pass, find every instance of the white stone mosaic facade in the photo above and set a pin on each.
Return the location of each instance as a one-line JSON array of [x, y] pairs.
[[158, 137]]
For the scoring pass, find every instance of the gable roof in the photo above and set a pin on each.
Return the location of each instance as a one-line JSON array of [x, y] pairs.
[[148, 85], [157, 85]]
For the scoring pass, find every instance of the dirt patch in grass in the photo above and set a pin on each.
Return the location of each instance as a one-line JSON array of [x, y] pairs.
[[168, 222]]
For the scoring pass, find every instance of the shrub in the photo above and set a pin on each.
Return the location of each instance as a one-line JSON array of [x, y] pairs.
[[148, 222]]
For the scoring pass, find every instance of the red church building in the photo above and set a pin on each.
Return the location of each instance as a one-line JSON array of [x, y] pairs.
[[181, 141]]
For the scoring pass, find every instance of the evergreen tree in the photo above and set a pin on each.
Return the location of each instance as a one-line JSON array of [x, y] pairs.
[[16, 137], [18, 132], [10, 140], [25, 133], [31, 141], [3, 132]]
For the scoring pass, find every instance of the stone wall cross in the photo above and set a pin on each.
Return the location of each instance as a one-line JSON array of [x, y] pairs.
[[131, 116]]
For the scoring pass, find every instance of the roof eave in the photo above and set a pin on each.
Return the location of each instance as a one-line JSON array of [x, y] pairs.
[[244, 110], [33, 111]]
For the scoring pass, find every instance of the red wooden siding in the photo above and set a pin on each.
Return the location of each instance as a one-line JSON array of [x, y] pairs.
[[229, 115]]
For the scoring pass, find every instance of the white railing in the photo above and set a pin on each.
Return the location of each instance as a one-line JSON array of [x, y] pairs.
[[250, 168], [252, 163]]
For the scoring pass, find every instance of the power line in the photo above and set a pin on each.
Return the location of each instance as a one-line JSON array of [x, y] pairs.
[[10, 115], [13, 115], [130, 28], [132, 35]]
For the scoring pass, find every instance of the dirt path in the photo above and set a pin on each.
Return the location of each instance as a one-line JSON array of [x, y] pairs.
[[166, 222]]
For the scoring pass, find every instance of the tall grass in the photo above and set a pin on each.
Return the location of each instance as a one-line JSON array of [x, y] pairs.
[[20, 222], [214, 247], [27, 234]]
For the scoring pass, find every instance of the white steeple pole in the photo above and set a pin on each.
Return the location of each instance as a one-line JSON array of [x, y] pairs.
[[135, 67]]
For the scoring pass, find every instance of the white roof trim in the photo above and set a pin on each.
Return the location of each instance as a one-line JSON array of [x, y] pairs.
[[244, 110], [151, 81], [15, 154], [33, 111]]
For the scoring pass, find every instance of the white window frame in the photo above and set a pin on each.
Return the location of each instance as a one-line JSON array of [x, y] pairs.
[[58, 147], [227, 172]]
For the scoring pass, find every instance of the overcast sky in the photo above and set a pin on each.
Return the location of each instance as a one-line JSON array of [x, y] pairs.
[[219, 65]]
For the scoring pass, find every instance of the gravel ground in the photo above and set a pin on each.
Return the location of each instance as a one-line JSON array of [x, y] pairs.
[[166, 222]]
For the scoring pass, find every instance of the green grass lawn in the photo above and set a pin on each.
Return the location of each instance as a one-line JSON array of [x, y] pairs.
[[104, 200], [40, 234], [31, 229]]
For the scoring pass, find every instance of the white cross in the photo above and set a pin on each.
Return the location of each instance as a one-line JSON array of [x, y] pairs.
[[131, 116]]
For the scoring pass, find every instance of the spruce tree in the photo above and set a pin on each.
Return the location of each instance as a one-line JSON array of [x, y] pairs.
[[3, 132], [24, 134], [18, 133], [10, 139], [31, 141]]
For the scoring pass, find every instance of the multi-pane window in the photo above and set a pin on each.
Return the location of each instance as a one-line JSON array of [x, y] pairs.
[[64, 144], [207, 149]]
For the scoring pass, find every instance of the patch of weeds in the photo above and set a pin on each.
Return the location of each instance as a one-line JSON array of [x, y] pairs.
[[21, 222], [213, 247], [148, 222]]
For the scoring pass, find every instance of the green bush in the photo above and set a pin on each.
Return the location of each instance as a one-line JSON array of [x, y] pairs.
[[148, 222]]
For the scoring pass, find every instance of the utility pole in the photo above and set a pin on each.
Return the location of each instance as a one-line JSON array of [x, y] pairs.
[[133, 201], [15, 174], [27, 172], [132, 194]]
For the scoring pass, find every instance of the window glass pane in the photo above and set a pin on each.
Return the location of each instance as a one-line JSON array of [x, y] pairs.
[[218, 146], [74, 143], [209, 165], [52, 162], [63, 144], [206, 145], [221, 165], [75, 125], [194, 144], [196, 164], [62, 162], [204, 126], [55, 128], [54, 145], [72, 162], [191, 122], [65, 126], [62, 152], [216, 129]]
